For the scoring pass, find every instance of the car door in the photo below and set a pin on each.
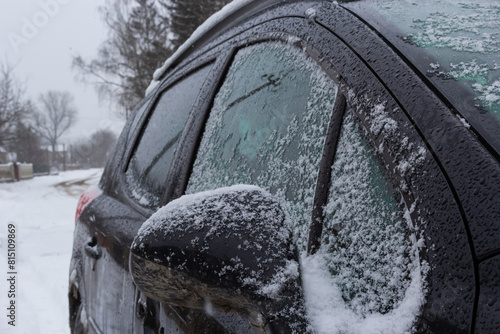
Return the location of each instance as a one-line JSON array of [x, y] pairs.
[[306, 108], [268, 127], [132, 186], [399, 233]]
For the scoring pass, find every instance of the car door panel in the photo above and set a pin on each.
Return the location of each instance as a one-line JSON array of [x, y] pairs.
[[488, 305], [446, 238], [415, 136], [108, 226], [465, 161]]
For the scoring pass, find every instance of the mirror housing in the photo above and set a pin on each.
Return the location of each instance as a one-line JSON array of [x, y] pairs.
[[228, 250]]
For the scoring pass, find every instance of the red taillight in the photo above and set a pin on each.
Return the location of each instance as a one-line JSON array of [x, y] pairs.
[[88, 196]]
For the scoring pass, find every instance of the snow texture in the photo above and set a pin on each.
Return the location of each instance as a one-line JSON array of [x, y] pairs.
[[367, 236], [185, 207], [464, 36], [256, 230], [43, 210], [310, 14], [330, 314], [464, 32], [367, 277], [489, 95], [274, 141], [138, 192]]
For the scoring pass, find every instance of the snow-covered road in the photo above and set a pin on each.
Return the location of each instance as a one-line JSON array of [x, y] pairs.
[[42, 210]]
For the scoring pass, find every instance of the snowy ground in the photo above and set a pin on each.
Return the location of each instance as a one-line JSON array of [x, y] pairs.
[[43, 212]]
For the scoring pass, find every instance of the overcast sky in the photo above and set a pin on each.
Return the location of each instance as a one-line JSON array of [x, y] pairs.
[[40, 37]]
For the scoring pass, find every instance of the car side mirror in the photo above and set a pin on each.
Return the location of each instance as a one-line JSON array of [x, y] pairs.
[[229, 250]]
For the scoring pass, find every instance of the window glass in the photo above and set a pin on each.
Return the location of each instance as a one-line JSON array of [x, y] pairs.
[[456, 45], [267, 127], [460, 36], [149, 164], [365, 236]]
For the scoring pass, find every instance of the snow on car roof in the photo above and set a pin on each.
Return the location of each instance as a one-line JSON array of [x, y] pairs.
[[213, 20]]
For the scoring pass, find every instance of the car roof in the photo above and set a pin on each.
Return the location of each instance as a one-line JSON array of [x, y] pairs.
[[235, 11], [207, 31], [240, 10]]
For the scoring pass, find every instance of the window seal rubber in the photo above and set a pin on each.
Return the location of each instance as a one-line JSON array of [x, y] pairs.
[[325, 173]]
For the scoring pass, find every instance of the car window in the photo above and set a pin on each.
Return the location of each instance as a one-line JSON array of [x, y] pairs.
[[136, 117], [148, 167], [461, 37], [365, 238], [455, 45], [267, 127]]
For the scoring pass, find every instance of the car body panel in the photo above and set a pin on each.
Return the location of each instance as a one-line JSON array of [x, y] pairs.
[[337, 53], [488, 320], [471, 162], [459, 225]]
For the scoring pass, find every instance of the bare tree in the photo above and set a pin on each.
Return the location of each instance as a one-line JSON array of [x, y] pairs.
[[142, 35], [16, 131], [26, 145], [13, 107], [136, 46], [55, 116], [94, 150]]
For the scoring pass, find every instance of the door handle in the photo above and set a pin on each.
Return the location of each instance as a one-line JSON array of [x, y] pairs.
[[92, 249]]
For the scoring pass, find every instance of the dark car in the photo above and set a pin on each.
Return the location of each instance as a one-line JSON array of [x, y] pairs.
[[305, 166]]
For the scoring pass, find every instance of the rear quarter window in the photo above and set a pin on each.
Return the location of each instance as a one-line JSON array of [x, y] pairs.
[[149, 164]]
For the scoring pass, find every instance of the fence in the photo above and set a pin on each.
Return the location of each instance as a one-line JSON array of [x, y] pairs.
[[12, 172]]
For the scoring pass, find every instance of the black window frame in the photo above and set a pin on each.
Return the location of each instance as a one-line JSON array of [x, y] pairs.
[[178, 177], [134, 137], [357, 84]]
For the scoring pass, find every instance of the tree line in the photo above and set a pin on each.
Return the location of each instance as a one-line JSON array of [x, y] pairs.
[[30, 131], [142, 34]]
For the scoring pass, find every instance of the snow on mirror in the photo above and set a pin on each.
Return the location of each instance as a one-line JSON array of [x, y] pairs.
[[231, 248], [267, 128]]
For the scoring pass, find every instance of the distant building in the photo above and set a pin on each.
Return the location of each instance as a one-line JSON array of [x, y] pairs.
[[6, 156], [60, 158], [3, 156]]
